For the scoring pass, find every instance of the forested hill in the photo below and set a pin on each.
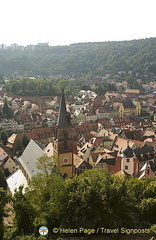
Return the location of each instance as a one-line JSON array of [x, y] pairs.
[[80, 59]]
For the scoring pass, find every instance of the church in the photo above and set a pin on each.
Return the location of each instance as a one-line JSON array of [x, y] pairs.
[[63, 141]]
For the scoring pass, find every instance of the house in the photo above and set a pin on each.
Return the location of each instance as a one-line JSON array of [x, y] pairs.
[[10, 164], [16, 180], [80, 165], [26, 104], [128, 108], [27, 166], [110, 110], [105, 160], [42, 135], [97, 141], [106, 124], [145, 154], [6, 160], [6, 124], [101, 113], [132, 134], [146, 172], [90, 116], [33, 108], [120, 121], [80, 116], [29, 158]]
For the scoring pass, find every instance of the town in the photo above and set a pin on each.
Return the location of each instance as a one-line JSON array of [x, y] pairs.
[[50, 140], [104, 131]]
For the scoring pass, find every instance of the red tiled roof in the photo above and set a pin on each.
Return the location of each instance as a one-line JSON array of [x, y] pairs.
[[106, 124], [38, 133]]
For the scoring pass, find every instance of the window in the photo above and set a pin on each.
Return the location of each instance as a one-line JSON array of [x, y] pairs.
[[127, 159], [126, 167]]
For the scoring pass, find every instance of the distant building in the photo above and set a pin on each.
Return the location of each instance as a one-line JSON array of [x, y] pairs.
[[128, 108]]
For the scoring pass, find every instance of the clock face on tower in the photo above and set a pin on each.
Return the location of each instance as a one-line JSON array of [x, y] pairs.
[[65, 160]]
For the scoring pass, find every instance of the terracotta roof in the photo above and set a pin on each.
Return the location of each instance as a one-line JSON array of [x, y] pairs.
[[132, 91], [35, 134], [95, 155], [106, 124]]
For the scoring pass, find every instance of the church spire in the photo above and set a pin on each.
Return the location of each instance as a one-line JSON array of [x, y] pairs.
[[63, 118]]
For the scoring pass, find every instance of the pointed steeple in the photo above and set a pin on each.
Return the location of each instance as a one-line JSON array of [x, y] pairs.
[[63, 118]]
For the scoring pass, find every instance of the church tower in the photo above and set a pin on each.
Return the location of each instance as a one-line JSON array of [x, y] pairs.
[[129, 163], [63, 141]]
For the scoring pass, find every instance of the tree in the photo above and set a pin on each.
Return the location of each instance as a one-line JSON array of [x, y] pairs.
[[7, 111], [96, 197], [3, 201], [4, 137], [47, 193], [148, 208], [25, 140], [24, 212], [121, 88], [2, 179], [17, 147]]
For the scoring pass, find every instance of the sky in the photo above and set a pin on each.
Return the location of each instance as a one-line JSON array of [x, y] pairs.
[[63, 22]]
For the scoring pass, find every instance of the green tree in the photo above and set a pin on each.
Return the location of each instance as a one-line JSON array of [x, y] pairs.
[[7, 111], [4, 137], [25, 140], [17, 147], [148, 208], [85, 193], [3, 201], [2, 179], [121, 88], [24, 212], [47, 193]]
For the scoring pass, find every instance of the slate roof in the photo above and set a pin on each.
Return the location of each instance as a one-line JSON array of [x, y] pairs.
[[64, 116], [145, 153], [128, 104]]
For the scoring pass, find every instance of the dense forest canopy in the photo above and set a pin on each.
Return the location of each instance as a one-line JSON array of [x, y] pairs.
[[77, 60]]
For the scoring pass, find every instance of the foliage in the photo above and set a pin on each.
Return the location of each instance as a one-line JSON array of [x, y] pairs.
[[24, 213], [78, 60], [4, 137], [17, 146], [3, 201], [25, 140], [7, 111], [2, 179], [47, 192], [153, 228], [96, 198], [20, 144]]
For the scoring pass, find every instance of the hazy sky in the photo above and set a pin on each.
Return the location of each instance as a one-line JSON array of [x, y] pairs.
[[62, 22]]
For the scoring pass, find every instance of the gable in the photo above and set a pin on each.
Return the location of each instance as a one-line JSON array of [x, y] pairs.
[[29, 157]]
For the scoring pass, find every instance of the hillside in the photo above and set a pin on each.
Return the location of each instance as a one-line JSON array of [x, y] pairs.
[[80, 59]]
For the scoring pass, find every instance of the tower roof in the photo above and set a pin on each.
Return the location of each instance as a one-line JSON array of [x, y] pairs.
[[64, 116], [128, 152]]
